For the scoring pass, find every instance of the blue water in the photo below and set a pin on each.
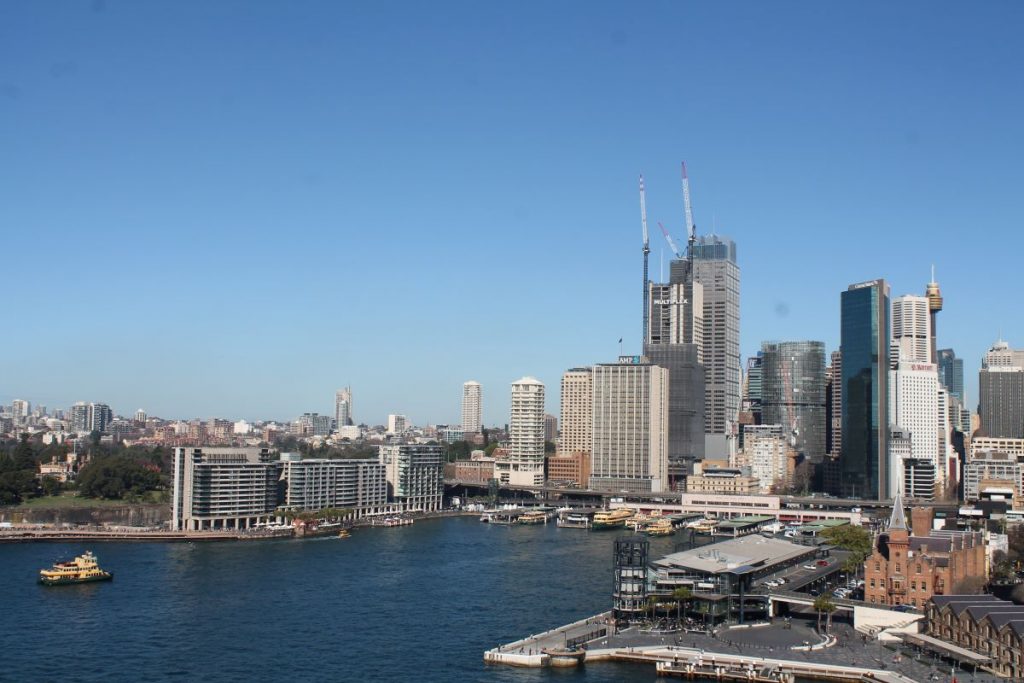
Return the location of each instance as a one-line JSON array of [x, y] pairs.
[[418, 603]]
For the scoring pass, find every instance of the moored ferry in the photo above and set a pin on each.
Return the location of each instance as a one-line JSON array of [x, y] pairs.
[[611, 519], [533, 517], [660, 527], [83, 569]]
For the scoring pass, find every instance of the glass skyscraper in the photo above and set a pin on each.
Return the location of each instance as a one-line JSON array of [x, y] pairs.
[[951, 373], [864, 344], [793, 393]]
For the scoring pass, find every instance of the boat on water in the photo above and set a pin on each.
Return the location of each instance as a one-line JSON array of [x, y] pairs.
[[533, 517], [397, 521], [83, 569], [573, 520], [660, 527], [705, 527], [344, 533], [610, 519]]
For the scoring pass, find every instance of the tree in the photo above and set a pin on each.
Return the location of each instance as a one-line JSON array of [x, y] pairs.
[[491, 447], [856, 539], [682, 596], [51, 486], [117, 476], [823, 605]]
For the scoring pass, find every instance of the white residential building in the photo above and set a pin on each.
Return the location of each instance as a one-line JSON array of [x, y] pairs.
[[397, 424], [766, 450], [472, 406], [577, 412], [415, 476], [524, 463]]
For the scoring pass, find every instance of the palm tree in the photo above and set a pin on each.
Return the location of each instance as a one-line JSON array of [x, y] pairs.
[[823, 605], [682, 596]]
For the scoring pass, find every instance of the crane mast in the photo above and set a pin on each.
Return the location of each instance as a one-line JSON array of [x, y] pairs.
[[646, 251], [691, 228]]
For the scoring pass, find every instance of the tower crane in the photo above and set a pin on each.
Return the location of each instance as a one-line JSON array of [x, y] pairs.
[[671, 242], [646, 251], [691, 227]]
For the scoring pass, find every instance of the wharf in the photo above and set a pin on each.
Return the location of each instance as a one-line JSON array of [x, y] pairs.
[[133, 535]]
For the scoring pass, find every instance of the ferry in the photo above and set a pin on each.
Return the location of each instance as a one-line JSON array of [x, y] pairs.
[[573, 520], [344, 533], [610, 519], [660, 527], [533, 517], [83, 569], [705, 527]]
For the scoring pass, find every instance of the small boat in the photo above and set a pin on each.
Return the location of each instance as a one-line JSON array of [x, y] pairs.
[[83, 569], [344, 533]]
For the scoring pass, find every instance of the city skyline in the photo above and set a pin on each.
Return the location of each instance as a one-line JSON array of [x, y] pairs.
[[189, 213]]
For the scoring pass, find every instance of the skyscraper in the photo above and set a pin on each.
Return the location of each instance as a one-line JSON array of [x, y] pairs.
[[911, 329], [524, 464], [630, 443], [685, 406], [864, 344], [951, 373], [677, 309], [577, 411], [835, 404], [914, 412], [793, 393], [472, 406], [100, 415], [343, 407], [715, 267], [1001, 392]]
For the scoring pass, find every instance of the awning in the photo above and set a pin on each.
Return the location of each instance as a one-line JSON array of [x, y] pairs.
[[944, 648]]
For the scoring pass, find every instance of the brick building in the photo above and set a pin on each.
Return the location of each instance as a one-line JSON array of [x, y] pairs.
[[570, 467], [991, 628], [909, 566]]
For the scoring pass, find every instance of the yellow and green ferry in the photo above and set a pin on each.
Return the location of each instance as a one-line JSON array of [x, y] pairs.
[[611, 519], [83, 569]]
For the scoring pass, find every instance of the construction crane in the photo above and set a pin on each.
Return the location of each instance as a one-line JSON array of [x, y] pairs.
[[691, 227], [671, 242], [647, 250]]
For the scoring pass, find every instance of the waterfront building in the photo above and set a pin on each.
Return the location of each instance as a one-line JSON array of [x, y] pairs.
[[911, 329], [358, 485], [951, 373], [415, 476], [685, 406], [864, 344], [223, 488], [716, 268], [1001, 389], [343, 407], [524, 461], [769, 455], [914, 403], [630, 440], [577, 412], [722, 480], [569, 468], [991, 628], [793, 393], [472, 406], [910, 565], [397, 424]]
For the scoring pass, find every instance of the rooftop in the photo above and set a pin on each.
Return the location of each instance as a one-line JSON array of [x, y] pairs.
[[735, 553]]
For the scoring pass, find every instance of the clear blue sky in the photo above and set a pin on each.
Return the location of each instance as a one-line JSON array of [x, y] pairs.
[[234, 208]]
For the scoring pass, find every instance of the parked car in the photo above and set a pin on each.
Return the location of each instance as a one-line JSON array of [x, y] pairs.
[[822, 563], [809, 566]]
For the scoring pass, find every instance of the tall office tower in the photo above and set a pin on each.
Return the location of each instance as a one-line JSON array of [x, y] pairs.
[[20, 409], [343, 407], [78, 417], [951, 373], [472, 406], [685, 406], [911, 329], [934, 297], [630, 447], [397, 424], [715, 267], [834, 374], [1001, 389], [752, 385], [677, 309], [577, 411], [524, 463], [100, 415], [676, 343], [793, 393], [914, 408], [864, 344], [550, 428]]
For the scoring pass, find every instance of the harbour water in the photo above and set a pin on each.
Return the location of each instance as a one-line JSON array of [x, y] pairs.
[[417, 603]]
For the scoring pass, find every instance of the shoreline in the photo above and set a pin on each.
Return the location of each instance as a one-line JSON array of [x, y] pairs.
[[37, 534]]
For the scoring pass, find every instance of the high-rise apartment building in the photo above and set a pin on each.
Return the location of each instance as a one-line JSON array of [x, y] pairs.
[[357, 485], [307, 424], [100, 415], [951, 373], [793, 393], [550, 428], [343, 407], [223, 488], [415, 476], [864, 344], [1001, 392], [715, 267], [767, 451], [630, 442], [524, 462], [914, 412], [397, 424], [577, 411], [78, 417], [472, 406], [141, 417], [911, 329], [20, 409]]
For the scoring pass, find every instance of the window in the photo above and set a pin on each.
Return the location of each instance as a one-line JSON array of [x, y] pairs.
[[872, 583], [878, 566], [913, 585], [918, 568], [924, 585]]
